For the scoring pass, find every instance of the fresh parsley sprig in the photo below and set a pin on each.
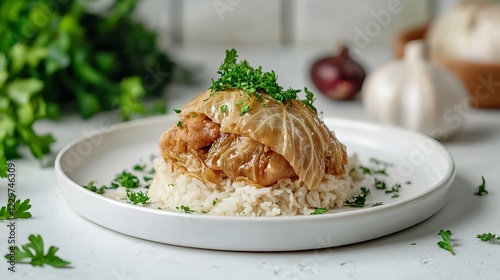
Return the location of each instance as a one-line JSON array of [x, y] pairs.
[[446, 242], [34, 251], [253, 81], [15, 209]]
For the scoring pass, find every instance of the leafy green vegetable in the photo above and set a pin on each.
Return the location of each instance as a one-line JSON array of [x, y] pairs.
[[446, 242], [184, 209], [54, 54], [253, 81], [179, 124], [137, 197], [377, 204], [177, 111], [215, 201], [359, 201], [488, 237], [223, 108], [15, 209], [318, 211], [481, 190], [34, 250]]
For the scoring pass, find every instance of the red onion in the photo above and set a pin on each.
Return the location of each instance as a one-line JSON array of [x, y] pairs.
[[339, 77]]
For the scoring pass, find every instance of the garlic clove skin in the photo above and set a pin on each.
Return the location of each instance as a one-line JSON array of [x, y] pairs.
[[416, 94]]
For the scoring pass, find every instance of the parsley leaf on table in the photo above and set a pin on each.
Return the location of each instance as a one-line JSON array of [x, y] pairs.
[[482, 188], [489, 237], [446, 242], [19, 211], [34, 250]]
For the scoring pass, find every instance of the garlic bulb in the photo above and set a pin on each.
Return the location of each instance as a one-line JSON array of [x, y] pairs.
[[468, 31], [416, 94]]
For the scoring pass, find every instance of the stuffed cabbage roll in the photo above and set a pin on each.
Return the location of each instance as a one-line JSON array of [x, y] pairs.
[[256, 138]]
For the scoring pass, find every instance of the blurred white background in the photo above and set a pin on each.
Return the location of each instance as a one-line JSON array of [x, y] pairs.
[[358, 22]]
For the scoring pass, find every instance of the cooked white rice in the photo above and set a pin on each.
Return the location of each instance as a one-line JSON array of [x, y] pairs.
[[179, 192]]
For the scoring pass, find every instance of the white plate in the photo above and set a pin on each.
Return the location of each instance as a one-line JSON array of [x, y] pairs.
[[105, 153]]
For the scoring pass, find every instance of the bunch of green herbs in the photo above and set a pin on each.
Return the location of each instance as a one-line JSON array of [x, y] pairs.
[[57, 54]]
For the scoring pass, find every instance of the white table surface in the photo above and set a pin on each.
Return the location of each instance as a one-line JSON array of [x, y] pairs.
[[98, 253]]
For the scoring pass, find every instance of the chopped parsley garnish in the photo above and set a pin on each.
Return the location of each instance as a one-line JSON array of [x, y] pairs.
[[380, 184], [365, 170], [309, 100], [446, 242], [253, 81], [184, 209], [358, 201], [489, 237], [318, 211], [215, 201], [380, 171], [139, 167], [394, 189], [244, 109], [91, 187], [15, 209], [125, 179], [179, 124], [223, 108], [137, 197], [34, 250], [171, 185], [177, 111], [147, 178], [481, 190], [377, 204]]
